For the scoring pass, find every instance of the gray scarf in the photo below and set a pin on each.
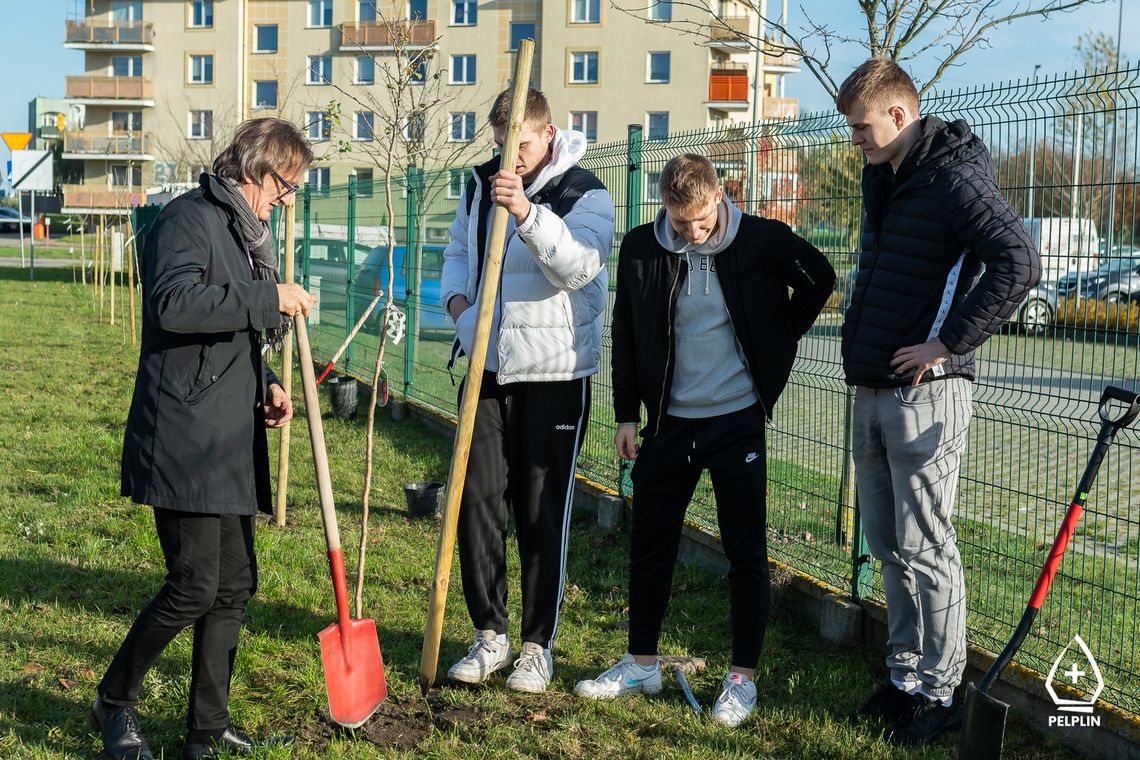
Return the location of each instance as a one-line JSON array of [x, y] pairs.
[[259, 244]]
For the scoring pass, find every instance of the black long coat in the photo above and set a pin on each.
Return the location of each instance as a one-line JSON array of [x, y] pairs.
[[195, 439]]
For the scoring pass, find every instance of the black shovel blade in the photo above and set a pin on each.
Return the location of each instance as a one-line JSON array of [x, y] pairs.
[[983, 726]]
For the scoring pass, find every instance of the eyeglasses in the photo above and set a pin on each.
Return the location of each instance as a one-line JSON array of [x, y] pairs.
[[290, 188]]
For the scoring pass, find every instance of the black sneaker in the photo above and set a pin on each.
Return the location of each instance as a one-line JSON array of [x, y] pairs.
[[889, 703], [925, 721]]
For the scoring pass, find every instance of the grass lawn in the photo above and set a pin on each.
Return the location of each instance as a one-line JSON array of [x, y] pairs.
[[77, 562]]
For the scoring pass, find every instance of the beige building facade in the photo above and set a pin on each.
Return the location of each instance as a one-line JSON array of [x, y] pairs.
[[166, 81]]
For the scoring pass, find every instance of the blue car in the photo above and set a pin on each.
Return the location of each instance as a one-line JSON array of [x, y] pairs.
[[372, 278]]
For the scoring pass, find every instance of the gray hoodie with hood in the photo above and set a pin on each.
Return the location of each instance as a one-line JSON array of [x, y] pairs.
[[710, 377]]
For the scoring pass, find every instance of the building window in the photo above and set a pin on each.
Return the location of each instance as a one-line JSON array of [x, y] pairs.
[[265, 94], [195, 172], [201, 69], [201, 14], [165, 172], [661, 11], [366, 10], [364, 177], [417, 10], [126, 10], [365, 125], [584, 68], [419, 74], [201, 125], [457, 183], [126, 121], [520, 30], [586, 11], [318, 179], [126, 175], [365, 69], [320, 69], [658, 68], [415, 129], [320, 12], [585, 122], [464, 12], [318, 125], [126, 66], [652, 193], [658, 125], [463, 126], [265, 38], [463, 69]]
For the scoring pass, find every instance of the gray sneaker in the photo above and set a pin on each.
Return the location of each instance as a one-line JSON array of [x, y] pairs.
[[533, 669], [736, 702], [484, 657], [627, 677]]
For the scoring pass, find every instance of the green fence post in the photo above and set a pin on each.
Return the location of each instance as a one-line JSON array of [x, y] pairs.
[[350, 257], [306, 209], [860, 558], [412, 283], [633, 180]]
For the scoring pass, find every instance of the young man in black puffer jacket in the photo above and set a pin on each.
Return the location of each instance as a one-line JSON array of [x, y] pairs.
[[945, 262], [704, 336]]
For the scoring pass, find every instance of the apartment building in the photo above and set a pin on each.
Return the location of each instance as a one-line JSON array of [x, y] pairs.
[[166, 81]]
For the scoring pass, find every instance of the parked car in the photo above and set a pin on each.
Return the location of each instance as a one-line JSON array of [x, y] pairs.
[[1116, 280], [11, 219], [328, 272], [1039, 310], [373, 278]]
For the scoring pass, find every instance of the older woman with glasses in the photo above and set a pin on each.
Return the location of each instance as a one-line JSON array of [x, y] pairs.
[[195, 441]]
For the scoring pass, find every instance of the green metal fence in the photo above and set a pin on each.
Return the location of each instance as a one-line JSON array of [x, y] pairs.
[[1066, 149]]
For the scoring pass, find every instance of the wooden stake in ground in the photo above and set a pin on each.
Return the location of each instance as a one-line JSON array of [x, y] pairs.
[[102, 261], [286, 377], [132, 254], [83, 251], [488, 289], [114, 237]]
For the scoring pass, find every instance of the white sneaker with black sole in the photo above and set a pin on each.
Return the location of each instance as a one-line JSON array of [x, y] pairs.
[[627, 677], [533, 669], [485, 656], [737, 700]]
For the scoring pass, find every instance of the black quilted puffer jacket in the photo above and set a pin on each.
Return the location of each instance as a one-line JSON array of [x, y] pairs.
[[943, 201]]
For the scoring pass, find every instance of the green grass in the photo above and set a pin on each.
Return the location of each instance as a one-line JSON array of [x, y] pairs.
[[78, 562]]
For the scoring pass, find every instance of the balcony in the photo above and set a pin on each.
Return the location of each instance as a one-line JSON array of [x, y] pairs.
[[731, 35], [380, 35], [781, 108], [92, 34], [779, 60], [129, 146], [728, 87], [88, 199], [110, 91]]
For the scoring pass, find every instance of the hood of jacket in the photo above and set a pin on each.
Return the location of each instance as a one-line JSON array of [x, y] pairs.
[[727, 225], [567, 148]]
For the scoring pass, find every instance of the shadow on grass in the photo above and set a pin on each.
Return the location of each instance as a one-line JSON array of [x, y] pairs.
[[43, 274]]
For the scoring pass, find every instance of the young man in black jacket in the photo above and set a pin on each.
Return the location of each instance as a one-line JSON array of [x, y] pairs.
[[704, 335], [945, 262]]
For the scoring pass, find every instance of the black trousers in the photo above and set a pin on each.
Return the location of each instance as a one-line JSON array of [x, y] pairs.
[[523, 453], [211, 573], [665, 474]]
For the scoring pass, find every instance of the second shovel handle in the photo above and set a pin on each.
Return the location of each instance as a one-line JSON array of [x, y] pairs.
[[317, 435]]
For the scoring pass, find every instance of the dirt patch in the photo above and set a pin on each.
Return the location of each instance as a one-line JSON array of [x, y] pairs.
[[403, 725]]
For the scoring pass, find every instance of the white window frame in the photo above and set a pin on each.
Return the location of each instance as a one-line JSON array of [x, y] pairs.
[[131, 169], [467, 5], [356, 121], [323, 173], [583, 119], [134, 125], [324, 76], [363, 4], [660, 16], [325, 19], [134, 66], [365, 187], [511, 29], [208, 121], [208, 9], [468, 60], [257, 106], [418, 122], [648, 121], [585, 6], [319, 122], [652, 192], [649, 67], [466, 121], [585, 66], [190, 69], [356, 70], [276, 36], [455, 190]]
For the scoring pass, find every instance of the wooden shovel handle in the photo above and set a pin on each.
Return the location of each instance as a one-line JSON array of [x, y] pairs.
[[488, 289], [317, 435]]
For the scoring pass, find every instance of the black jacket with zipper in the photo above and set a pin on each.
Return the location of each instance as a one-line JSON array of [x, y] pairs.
[[195, 439], [755, 271], [942, 201]]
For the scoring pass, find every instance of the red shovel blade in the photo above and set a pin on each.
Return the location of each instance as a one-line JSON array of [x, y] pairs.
[[354, 671]]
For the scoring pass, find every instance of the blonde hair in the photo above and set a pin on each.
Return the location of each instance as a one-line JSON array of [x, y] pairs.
[[537, 109], [878, 84], [261, 146], [687, 181]]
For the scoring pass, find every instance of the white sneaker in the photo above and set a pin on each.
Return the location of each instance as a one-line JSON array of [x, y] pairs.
[[736, 702], [627, 677], [533, 669], [484, 657]]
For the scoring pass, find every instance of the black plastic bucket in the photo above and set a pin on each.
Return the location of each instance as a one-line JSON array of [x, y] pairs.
[[424, 499], [342, 394]]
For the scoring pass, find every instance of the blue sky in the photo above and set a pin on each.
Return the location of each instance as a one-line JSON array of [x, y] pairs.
[[36, 35]]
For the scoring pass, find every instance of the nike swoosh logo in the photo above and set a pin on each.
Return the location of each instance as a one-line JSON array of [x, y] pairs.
[[751, 457]]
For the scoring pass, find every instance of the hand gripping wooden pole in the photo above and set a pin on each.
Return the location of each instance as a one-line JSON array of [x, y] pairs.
[[286, 375], [488, 290]]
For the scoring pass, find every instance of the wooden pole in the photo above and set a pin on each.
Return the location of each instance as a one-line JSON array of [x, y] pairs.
[[102, 263], [111, 259], [488, 289], [132, 250], [286, 375], [83, 251]]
